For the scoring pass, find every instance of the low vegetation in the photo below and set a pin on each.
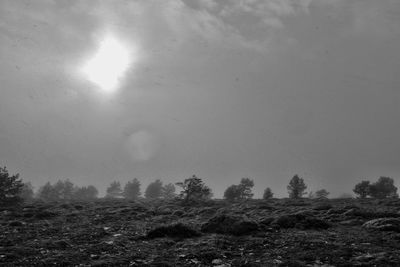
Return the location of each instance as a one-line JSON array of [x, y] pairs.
[[64, 224]]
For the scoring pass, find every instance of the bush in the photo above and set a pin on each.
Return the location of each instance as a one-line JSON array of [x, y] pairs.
[[10, 188], [296, 187], [194, 189]]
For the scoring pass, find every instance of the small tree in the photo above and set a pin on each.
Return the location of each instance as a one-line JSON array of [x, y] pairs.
[[64, 189], [268, 193], [321, 194], [114, 190], [296, 187], [10, 188], [362, 189], [132, 189], [27, 192], [48, 193], [194, 189], [245, 186], [383, 188], [154, 190], [85, 193], [168, 191]]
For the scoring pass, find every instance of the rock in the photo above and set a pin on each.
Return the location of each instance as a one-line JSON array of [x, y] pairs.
[[383, 224], [178, 213], [323, 206], [230, 224], [216, 262], [352, 222], [16, 223], [300, 221], [177, 230], [45, 215]]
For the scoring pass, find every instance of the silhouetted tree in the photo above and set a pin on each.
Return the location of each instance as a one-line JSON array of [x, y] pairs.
[[268, 193], [168, 191], [114, 190], [383, 188], [132, 189], [321, 194], [154, 190], [362, 189], [245, 186], [85, 193], [296, 187], [10, 188], [194, 189], [27, 193], [240, 191], [48, 193]]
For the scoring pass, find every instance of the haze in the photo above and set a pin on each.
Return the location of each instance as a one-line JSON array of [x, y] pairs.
[[220, 89]]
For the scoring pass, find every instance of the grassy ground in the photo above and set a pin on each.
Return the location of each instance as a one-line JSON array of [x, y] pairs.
[[217, 233]]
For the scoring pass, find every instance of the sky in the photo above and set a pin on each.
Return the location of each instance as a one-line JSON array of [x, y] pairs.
[[96, 91]]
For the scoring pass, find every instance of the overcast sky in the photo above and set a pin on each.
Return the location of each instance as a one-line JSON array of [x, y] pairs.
[[221, 89]]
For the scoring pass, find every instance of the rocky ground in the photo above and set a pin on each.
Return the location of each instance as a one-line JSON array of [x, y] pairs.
[[252, 233]]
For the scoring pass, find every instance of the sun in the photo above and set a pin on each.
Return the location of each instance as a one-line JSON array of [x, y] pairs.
[[108, 65]]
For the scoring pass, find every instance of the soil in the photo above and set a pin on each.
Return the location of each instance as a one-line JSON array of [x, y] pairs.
[[278, 232]]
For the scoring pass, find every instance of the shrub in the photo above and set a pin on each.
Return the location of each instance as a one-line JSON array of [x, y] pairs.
[[10, 188], [296, 187]]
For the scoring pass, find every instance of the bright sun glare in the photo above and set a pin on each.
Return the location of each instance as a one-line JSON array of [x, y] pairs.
[[108, 65]]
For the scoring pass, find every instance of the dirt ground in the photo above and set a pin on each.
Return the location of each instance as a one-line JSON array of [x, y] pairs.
[[278, 232]]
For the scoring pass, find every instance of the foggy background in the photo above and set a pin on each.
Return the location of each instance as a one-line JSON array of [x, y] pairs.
[[220, 89]]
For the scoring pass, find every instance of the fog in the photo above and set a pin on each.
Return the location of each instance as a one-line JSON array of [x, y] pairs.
[[219, 89]]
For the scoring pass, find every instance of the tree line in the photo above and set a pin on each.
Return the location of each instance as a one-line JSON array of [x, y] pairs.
[[14, 190]]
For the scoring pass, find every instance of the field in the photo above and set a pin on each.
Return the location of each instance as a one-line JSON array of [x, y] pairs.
[[278, 232]]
